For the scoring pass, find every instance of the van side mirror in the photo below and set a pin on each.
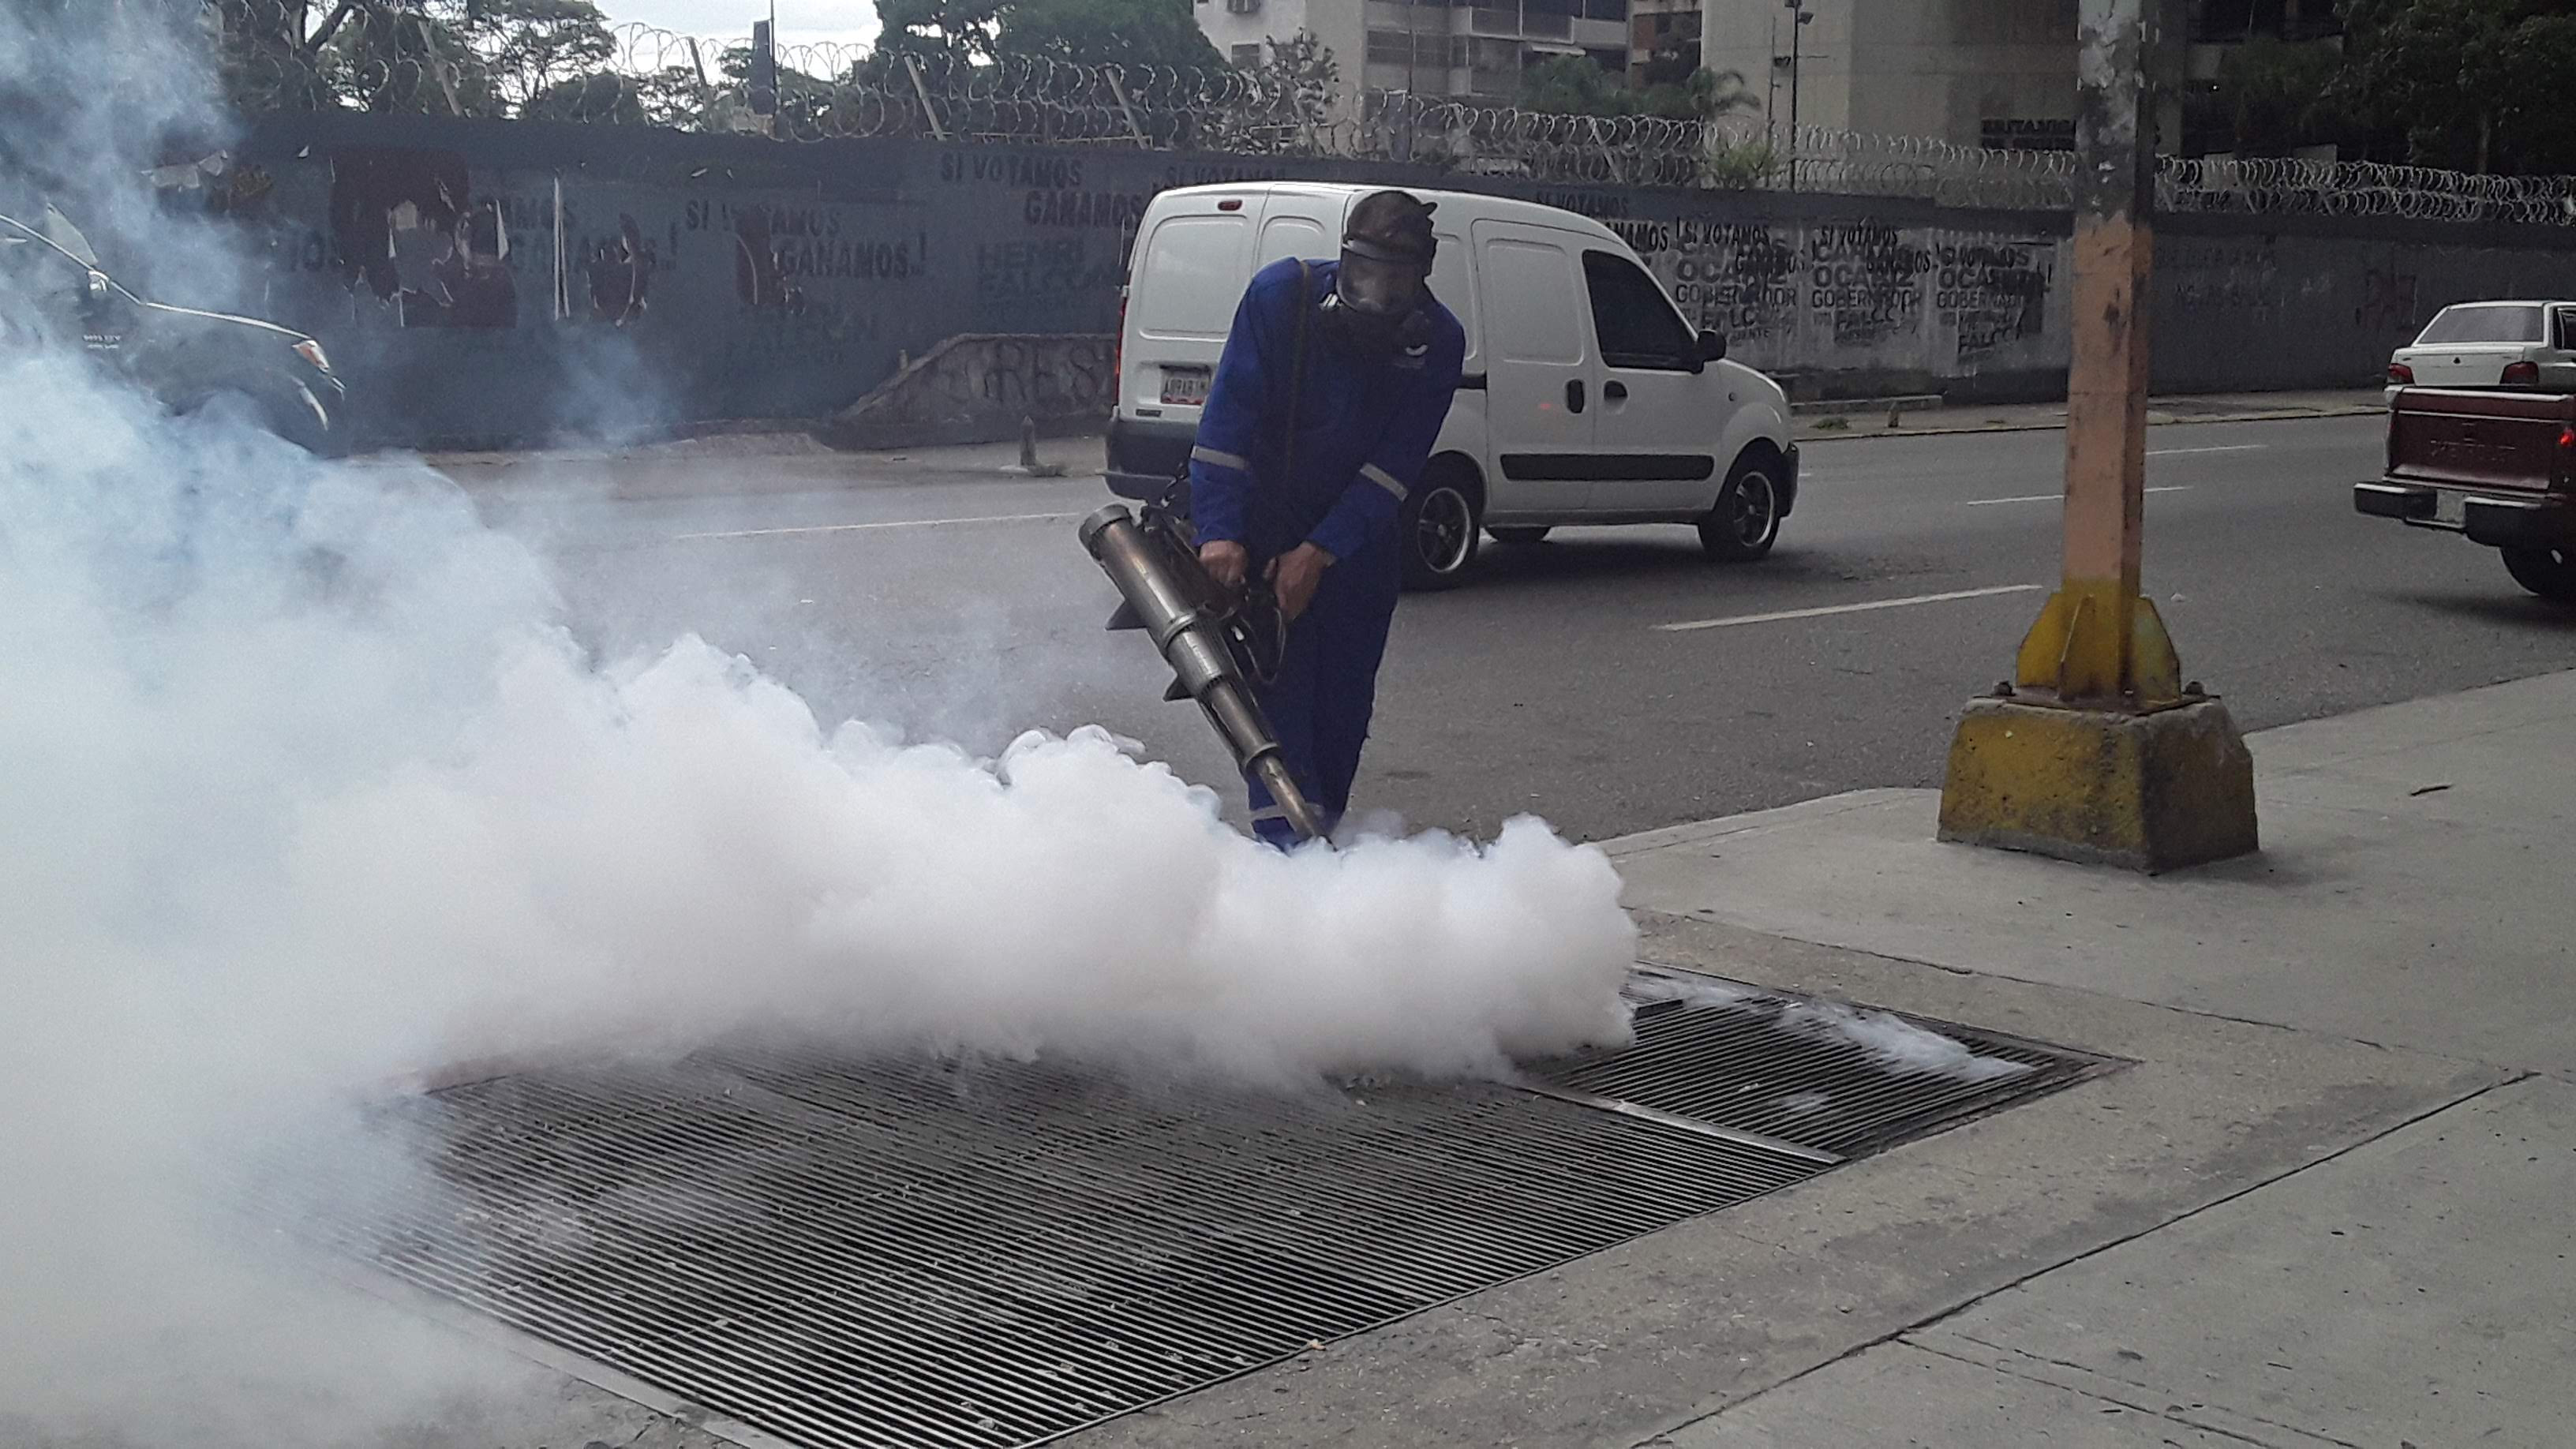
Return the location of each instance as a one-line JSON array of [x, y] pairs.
[[1712, 347]]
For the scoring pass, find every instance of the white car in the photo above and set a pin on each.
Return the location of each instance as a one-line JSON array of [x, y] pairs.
[[1587, 397], [2491, 344]]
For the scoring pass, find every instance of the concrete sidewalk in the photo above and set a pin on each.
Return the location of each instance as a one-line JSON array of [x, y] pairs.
[[2326, 1203], [1825, 422], [2411, 1288], [1081, 456]]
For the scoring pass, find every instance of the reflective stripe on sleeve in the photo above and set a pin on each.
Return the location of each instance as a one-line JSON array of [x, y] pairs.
[[1215, 459], [1384, 479]]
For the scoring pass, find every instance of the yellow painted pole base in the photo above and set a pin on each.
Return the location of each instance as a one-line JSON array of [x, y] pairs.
[[2152, 791], [2092, 645]]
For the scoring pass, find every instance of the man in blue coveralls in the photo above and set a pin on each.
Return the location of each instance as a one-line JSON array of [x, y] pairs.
[[1322, 413]]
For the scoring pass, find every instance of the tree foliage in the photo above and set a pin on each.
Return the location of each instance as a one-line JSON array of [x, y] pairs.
[[958, 32], [1572, 85], [1300, 71], [1130, 33], [423, 57], [2475, 85], [2274, 97]]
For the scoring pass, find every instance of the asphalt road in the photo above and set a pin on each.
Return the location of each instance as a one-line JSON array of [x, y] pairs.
[[962, 608]]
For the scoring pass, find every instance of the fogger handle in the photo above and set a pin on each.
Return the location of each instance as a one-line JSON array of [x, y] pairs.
[[1180, 608]]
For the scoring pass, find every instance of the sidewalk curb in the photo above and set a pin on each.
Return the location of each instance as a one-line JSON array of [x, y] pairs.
[[1935, 430]]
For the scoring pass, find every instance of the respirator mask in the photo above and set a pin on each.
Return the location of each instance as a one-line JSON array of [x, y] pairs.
[[1378, 297]]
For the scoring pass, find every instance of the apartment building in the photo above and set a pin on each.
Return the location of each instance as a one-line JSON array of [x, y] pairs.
[[1664, 41], [1973, 72], [2219, 26], [1453, 52], [1997, 73]]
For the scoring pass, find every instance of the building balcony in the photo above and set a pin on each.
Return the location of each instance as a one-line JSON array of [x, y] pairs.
[[1516, 23]]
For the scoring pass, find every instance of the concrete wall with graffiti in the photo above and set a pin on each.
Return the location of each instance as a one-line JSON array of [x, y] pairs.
[[488, 281], [984, 387]]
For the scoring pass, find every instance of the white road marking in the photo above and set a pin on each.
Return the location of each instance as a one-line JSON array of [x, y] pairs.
[[1906, 603], [2229, 448], [869, 527], [2059, 497]]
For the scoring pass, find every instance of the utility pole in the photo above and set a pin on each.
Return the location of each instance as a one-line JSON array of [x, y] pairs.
[[1771, 89], [763, 87], [2097, 751], [1799, 19]]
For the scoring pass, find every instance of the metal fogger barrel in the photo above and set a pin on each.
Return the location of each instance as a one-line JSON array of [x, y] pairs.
[[1200, 631]]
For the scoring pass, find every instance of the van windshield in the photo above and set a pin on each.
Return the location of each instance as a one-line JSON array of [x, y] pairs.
[[2483, 324]]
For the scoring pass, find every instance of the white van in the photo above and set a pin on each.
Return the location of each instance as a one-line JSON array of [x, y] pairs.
[[1587, 398]]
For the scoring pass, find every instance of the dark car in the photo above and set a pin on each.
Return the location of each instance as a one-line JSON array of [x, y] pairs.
[[2497, 464], [192, 360]]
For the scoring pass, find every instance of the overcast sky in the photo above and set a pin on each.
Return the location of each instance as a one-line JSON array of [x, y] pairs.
[[849, 22]]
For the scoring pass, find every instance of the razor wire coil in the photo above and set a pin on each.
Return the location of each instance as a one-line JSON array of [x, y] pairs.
[[827, 91]]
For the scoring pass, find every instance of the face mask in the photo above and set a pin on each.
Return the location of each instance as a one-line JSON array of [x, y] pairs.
[[1379, 286], [1377, 298]]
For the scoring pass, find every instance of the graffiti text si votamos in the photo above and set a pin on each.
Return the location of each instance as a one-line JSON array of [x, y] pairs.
[[1012, 170], [776, 220]]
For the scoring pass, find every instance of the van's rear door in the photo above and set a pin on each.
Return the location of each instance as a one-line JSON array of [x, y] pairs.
[[1191, 267]]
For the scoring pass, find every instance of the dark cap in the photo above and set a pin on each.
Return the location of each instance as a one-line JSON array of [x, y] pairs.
[[1395, 220]]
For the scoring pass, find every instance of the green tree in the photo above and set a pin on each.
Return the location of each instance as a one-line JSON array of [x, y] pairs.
[[1298, 74], [528, 46], [2474, 85], [1572, 85], [598, 96], [409, 59], [1739, 165], [268, 56], [1289, 100], [1704, 96], [2274, 97], [433, 57], [1130, 33], [957, 32]]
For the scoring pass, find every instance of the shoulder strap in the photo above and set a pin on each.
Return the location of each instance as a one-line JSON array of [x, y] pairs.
[[1296, 374]]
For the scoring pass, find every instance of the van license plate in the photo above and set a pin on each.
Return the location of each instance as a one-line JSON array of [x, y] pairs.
[[1185, 386]]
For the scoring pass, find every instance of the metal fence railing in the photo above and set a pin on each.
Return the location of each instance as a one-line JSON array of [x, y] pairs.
[[655, 77]]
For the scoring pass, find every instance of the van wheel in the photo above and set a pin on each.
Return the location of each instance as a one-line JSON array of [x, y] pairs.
[[1439, 531], [282, 418], [1517, 535], [1746, 521], [2548, 572]]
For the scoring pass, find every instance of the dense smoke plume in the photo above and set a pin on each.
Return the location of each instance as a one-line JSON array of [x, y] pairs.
[[311, 794]]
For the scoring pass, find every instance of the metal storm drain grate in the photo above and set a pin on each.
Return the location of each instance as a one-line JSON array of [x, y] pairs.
[[996, 1254], [1823, 1075]]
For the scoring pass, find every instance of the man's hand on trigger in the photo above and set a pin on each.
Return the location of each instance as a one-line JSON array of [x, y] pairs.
[[1226, 562], [1295, 575]]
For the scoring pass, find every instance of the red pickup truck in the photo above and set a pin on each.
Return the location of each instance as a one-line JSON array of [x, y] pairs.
[[2497, 464]]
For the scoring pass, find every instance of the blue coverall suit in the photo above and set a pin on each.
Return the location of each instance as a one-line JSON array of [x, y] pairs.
[[1364, 429]]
